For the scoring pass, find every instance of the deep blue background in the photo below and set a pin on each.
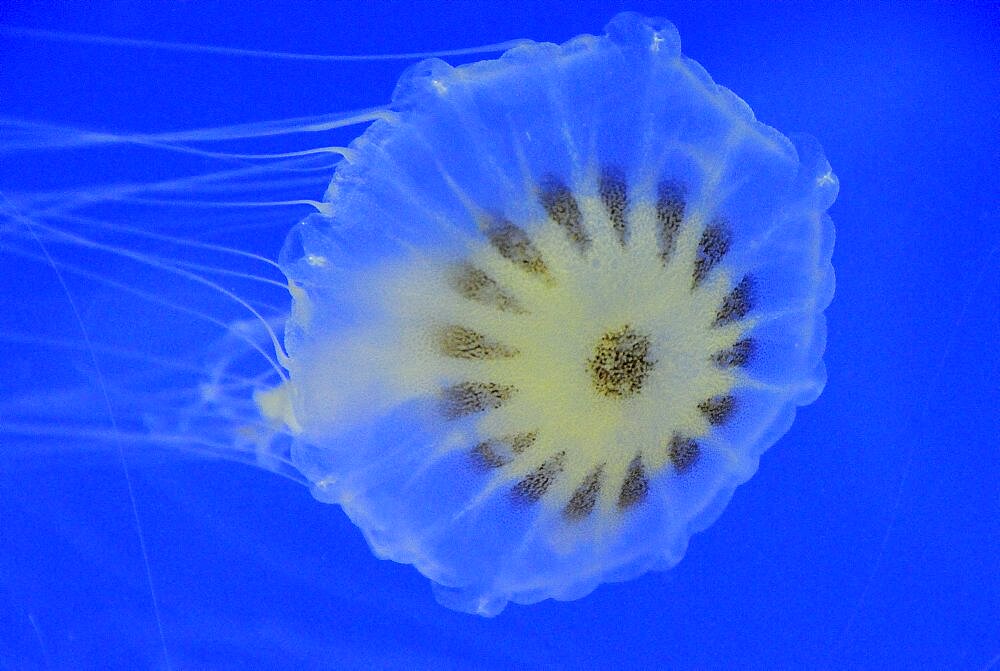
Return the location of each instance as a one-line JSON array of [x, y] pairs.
[[870, 536]]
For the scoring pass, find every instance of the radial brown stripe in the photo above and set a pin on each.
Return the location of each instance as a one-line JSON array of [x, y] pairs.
[[714, 244], [460, 342], [562, 209], [512, 243], [718, 409], [683, 453], [499, 452], [584, 498], [670, 204], [486, 456], [635, 487], [468, 398], [740, 354], [475, 285], [533, 486], [737, 303], [614, 195]]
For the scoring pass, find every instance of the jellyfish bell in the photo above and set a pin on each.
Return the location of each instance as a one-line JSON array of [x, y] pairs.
[[543, 333], [548, 315]]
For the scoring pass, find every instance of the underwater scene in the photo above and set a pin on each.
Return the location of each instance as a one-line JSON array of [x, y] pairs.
[[521, 335]]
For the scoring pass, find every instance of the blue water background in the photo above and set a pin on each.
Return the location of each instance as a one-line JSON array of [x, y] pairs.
[[869, 538]]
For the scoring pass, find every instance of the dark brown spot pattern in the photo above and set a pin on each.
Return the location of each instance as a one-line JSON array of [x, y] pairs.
[[512, 243], [621, 360], [614, 195], [718, 409], [620, 363], [497, 453], [670, 205], [683, 453], [737, 303], [714, 244], [459, 342], [486, 456], [740, 354], [475, 285], [533, 486], [468, 398], [563, 209], [584, 497], [635, 488]]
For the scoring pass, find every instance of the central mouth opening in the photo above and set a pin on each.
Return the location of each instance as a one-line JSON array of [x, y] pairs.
[[621, 363]]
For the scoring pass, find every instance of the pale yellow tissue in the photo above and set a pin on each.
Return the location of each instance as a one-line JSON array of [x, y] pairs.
[[351, 377]]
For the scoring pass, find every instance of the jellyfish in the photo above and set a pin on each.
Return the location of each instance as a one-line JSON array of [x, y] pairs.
[[549, 313], [560, 305]]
